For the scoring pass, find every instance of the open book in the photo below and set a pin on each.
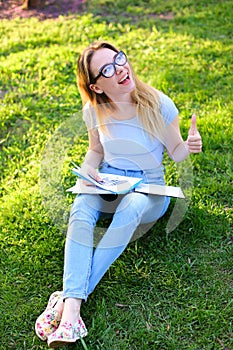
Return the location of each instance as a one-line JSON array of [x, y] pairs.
[[119, 184], [116, 184]]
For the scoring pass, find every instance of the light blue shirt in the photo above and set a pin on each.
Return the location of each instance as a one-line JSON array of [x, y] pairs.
[[126, 144]]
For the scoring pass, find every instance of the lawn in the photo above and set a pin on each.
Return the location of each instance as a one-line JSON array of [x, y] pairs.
[[172, 288]]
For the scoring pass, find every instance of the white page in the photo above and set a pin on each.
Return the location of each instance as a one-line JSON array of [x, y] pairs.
[[169, 191]]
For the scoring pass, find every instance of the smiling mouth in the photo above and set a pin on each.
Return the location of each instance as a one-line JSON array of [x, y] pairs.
[[125, 79]]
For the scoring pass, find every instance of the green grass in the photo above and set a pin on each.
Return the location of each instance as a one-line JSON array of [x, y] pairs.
[[168, 291]]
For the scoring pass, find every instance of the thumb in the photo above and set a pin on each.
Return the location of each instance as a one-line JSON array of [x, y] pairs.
[[193, 128]]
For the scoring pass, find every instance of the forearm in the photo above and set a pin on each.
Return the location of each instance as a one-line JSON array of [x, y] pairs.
[[93, 159], [181, 152]]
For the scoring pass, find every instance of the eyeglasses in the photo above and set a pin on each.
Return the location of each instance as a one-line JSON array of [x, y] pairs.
[[109, 69]]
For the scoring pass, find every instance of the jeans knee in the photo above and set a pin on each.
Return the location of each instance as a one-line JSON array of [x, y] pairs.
[[131, 208], [136, 203]]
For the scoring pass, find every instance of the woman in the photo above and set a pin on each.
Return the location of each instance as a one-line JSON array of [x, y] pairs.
[[129, 124]]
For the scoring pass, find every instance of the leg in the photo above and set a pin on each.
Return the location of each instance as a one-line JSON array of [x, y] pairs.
[[79, 245], [133, 209], [77, 267], [78, 255]]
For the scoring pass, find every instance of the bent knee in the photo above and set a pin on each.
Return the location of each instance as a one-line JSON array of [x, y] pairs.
[[133, 204]]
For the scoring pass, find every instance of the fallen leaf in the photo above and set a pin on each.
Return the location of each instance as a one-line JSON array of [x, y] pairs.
[[148, 326], [121, 305]]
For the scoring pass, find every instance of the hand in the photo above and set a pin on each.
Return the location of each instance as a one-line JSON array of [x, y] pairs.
[[87, 169], [194, 141]]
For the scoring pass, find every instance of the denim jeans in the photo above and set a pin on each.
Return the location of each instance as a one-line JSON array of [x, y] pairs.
[[86, 263]]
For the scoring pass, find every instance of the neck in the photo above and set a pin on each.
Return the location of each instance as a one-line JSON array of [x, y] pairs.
[[125, 110], [124, 98], [126, 107]]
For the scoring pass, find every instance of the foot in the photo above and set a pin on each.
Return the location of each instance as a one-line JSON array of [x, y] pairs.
[[71, 326], [50, 319], [71, 311]]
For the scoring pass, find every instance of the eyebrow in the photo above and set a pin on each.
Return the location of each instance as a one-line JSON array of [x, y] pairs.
[[109, 62]]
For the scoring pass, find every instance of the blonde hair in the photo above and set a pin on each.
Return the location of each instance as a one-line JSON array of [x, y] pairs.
[[145, 97]]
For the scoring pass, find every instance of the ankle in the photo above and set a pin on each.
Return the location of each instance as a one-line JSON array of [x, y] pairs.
[[71, 311], [73, 303]]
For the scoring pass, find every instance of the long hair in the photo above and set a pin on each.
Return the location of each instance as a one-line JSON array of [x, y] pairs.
[[145, 97]]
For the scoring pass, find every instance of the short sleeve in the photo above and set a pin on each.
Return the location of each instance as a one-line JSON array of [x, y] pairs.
[[89, 116], [168, 108]]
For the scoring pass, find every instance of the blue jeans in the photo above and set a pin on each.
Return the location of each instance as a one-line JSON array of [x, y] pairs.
[[87, 261]]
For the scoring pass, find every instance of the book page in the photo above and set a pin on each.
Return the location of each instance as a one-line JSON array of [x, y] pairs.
[[169, 191]]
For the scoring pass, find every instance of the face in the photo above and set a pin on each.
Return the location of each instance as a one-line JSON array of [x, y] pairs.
[[120, 85]]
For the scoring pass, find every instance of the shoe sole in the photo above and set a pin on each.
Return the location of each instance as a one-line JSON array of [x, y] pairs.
[[56, 343]]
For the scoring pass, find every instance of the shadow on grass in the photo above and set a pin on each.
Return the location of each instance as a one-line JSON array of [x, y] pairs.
[[46, 10]]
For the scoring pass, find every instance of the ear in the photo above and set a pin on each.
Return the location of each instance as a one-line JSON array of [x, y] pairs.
[[95, 88]]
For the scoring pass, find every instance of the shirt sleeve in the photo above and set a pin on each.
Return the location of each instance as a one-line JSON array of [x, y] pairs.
[[89, 116], [168, 108]]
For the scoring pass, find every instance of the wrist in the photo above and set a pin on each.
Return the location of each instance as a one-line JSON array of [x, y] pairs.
[[186, 146]]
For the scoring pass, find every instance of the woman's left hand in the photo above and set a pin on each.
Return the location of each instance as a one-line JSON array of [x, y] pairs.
[[194, 140]]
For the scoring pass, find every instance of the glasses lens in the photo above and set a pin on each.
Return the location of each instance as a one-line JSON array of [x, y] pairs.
[[120, 59], [108, 71]]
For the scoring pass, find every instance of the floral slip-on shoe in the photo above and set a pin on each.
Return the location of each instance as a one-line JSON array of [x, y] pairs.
[[49, 320], [67, 334]]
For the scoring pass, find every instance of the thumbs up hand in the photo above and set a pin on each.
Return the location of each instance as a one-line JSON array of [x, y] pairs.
[[194, 141]]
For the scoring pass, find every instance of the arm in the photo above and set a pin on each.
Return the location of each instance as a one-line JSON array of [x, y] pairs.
[[177, 148], [94, 155]]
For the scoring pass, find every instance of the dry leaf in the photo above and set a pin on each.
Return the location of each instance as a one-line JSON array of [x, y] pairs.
[[148, 326], [121, 305]]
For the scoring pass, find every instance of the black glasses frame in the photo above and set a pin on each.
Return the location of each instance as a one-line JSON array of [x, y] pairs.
[[114, 64]]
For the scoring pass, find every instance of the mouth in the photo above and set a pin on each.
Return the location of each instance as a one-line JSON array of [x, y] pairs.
[[124, 79]]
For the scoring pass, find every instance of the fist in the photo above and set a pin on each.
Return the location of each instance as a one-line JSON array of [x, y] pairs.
[[194, 141]]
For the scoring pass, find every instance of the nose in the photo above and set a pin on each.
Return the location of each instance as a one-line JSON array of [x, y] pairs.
[[119, 69]]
